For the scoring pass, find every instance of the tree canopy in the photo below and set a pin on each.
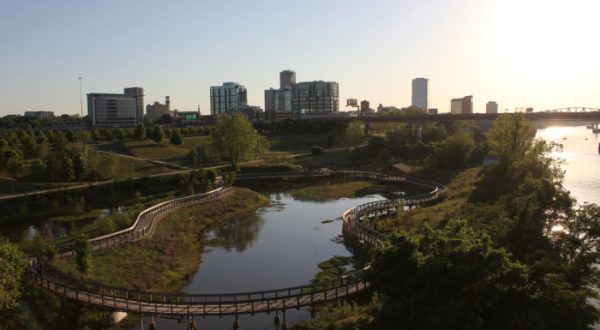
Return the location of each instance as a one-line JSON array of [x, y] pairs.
[[12, 267], [234, 137]]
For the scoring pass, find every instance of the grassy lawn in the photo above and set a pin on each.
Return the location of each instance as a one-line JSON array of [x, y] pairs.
[[167, 261], [131, 168], [458, 189]]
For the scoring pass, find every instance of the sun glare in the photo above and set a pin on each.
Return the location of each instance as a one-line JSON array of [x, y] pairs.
[[545, 42]]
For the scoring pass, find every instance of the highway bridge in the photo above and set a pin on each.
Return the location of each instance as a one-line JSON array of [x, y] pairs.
[[583, 114]]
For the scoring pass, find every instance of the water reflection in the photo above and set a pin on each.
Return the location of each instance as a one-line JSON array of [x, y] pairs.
[[238, 234]]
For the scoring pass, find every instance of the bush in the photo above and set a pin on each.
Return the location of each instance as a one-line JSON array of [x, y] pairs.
[[316, 150]]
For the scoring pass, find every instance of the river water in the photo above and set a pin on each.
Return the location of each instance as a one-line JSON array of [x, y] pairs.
[[581, 160], [278, 246]]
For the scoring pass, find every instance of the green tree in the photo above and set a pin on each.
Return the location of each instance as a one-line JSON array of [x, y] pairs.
[[448, 278], [140, 133], [355, 132], [176, 137], [157, 134], [234, 137], [454, 153], [119, 134], [12, 267], [192, 157], [83, 254]]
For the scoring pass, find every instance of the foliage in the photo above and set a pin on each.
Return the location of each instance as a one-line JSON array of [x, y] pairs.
[[83, 254], [316, 150], [140, 133], [454, 275], [454, 153], [355, 132], [234, 137], [12, 267], [157, 134], [176, 137]]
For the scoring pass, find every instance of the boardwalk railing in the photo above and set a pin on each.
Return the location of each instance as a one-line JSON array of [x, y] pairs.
[[172, 304], [146, 222], [64, 285]]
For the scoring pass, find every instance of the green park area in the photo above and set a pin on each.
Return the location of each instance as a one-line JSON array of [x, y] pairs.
[[485, 254]]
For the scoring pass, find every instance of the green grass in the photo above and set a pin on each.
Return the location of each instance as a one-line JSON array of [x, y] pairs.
[[350, 189], [167, 261], [132, 168], [458, 189], [331, 191]]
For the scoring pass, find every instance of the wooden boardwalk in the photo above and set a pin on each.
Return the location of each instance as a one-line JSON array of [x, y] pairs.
[[172, 305]]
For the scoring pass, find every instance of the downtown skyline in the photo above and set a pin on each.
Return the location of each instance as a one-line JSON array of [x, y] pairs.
[[517, 53]]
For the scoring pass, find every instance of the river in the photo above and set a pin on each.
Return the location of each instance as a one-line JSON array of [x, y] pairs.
[[278, 246], [581, 160]]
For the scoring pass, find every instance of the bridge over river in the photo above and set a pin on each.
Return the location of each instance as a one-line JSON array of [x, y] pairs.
[[175, 305]]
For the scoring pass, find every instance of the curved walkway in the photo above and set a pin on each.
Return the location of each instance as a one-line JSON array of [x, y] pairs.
[[172, 305]]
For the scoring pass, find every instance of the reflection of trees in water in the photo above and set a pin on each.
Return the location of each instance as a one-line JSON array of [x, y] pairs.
[[239, 234]]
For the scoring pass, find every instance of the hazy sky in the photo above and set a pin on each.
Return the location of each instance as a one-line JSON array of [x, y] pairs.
[[539, 53]]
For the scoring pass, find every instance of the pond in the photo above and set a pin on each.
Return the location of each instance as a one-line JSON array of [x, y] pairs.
[[279, 245]]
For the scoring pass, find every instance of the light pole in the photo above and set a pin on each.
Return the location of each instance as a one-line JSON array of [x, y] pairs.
[[80, 98]]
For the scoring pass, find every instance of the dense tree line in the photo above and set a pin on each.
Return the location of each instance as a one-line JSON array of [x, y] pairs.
[[499, 262]]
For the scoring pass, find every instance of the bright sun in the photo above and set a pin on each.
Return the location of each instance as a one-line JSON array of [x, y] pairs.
[[545, 41]]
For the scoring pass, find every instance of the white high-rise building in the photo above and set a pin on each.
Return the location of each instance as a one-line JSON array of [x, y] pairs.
[[419, 93]]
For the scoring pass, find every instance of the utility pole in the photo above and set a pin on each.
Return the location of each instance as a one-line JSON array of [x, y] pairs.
[[80, 98]]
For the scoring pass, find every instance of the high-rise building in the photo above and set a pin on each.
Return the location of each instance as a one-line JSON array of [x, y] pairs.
[[229, 97], [315, 97], [157, 110], [491, 107], [287, 79], [419, 93], [467, 104], [295, 99], [116, 110], [456, 106], [278, 103], [462, 105], [138, 94]]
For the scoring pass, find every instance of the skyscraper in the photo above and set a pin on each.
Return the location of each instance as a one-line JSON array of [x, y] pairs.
[[419, 93], [287, 79], [230, 97]]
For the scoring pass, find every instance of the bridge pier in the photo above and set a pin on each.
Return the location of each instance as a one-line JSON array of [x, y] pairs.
[[236, 324]]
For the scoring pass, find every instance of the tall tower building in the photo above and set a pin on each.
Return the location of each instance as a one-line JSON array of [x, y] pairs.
[[419, 93], [287, 79]]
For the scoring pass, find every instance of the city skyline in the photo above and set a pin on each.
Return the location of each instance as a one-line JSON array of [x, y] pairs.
[[519, 54]]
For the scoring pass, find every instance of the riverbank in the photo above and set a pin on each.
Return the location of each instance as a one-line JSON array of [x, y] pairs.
[[167, 261]]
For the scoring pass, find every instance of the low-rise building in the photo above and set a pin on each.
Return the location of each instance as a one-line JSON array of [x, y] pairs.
[[491, 107], [39, 114], [157, 110], [116, 110]]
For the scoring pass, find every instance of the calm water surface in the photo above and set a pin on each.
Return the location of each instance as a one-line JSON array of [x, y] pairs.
[[278, 246], [581, 160]]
